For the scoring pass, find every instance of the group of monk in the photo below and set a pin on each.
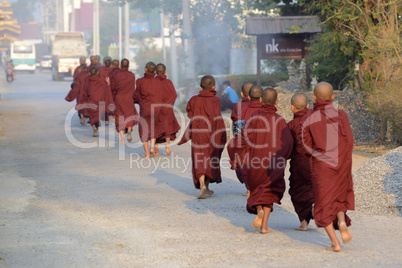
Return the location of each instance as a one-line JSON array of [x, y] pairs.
[[318, 142], [111, 89]]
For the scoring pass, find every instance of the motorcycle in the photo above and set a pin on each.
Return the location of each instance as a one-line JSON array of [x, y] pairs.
[[9, 75]]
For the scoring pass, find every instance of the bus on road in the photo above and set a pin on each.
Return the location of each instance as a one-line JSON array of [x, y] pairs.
[[23, 56]]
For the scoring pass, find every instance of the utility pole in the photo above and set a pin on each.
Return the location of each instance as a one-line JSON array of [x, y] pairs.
[[163, 32], [187, 36], [72, 25], [173, 52], [96, 28], [127, 31], [120, 33]]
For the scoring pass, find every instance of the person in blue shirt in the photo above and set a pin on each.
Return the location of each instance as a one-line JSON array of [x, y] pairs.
[[229, 97]]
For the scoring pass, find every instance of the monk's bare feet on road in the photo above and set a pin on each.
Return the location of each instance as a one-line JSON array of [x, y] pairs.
[[303, 226], [151, 153], [156, 150], [209, 192], [346, 236], [203, 192], [334, 248], [168, 151], [266, 231], [82, 120], [258, 220], [246, 194], [95, 131], [122, 142], [129, 137]]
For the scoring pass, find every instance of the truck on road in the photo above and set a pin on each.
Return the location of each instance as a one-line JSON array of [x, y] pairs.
[[67, 48]]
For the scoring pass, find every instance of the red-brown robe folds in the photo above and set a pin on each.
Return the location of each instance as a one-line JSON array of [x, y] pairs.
[[245, 113], [325, 135], [104, 72], [79, 92], [301, 187], [264, 146], [123, 84], [111, 75], [167, 119], [99, 98], [77, 71], [149, 96], [207, 133], [239, 108]]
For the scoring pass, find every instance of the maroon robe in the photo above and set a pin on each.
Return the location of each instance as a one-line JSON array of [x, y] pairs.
[[238, 109], [79, 92], [123, 84], [325, 135], [99, 99], [264, 146], [111, 75], [207, 133], [301, 187], [104, 72], [149, 96], [245, 113], [77, 71], [167, 119]]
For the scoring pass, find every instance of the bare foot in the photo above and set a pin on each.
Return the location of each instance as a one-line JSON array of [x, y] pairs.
[[145, 156], [258, 220], [346, 236], [334, 248], [129, 137], [122, 142], [168, 151], [203, 192], [246, 194], [151, 153], [303, 226], [95, 132], [266, 231], [209, 192]]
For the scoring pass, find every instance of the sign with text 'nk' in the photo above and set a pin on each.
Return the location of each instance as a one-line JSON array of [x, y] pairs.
[[279, 47]]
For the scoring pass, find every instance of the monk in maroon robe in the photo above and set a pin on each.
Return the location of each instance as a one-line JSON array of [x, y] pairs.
[[207, 133], [106, 69], [246, 110], [99, 99], [239, 107], [77, 70], [264, 146], [149, 97], [115, 68], [325, 135], [167, 119], [301, 187], [78, 92], [126, 116]]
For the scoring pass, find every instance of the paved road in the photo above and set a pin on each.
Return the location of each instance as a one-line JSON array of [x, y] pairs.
[[62, 205]]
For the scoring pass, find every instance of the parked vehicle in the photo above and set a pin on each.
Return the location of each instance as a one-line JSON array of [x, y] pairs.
[[23, 56], [46, 63]]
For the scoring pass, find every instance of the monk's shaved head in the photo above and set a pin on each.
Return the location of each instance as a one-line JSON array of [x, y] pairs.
[[107, 61], [245, 89], [207, 82], [255, 93], [323, 91], [299, 101], [93, 71], [160, 69], [125, 63], [269, 96], [83, 60], [115, 63], [150, 66]]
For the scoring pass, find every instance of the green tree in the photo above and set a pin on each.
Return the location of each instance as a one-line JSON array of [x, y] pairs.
[[375, 28]]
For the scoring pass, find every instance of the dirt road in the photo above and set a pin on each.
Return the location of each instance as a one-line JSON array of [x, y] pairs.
[[66, 206]]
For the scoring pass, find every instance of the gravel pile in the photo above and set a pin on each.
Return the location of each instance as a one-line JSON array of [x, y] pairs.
[[364, 126], [378, 184]]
